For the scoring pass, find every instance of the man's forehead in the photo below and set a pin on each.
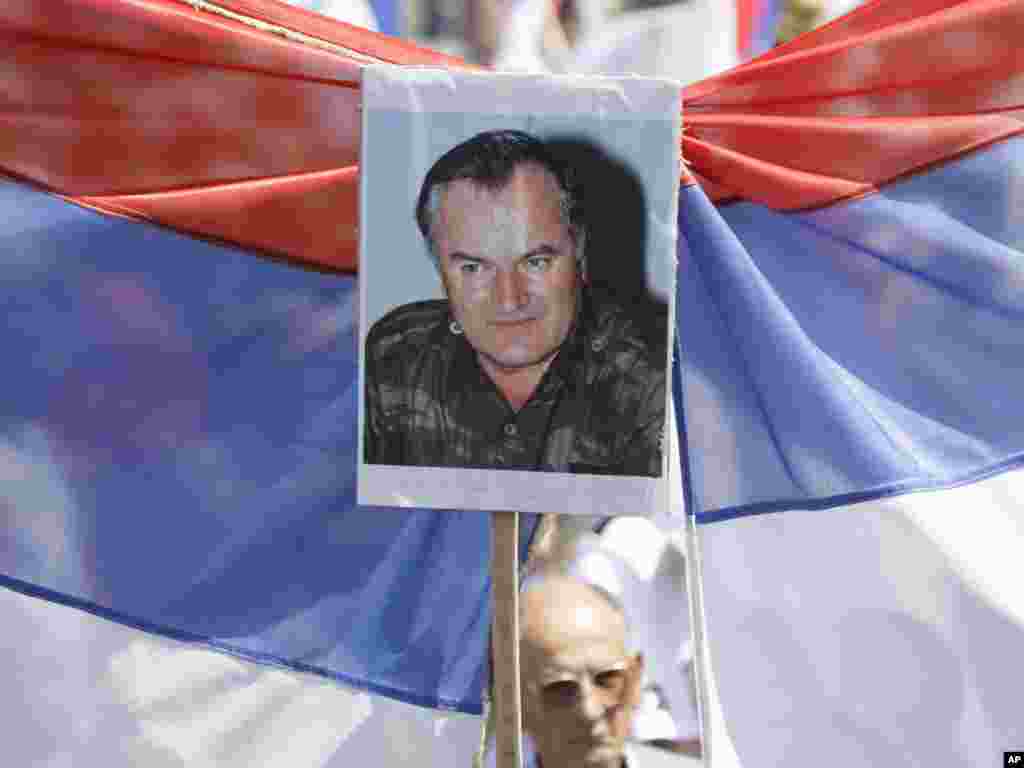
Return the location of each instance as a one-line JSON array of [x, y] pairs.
[[547, 664], [510, 220], [562, 616]]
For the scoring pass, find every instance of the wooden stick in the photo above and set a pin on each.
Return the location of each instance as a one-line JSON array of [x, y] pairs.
[[508, 716]]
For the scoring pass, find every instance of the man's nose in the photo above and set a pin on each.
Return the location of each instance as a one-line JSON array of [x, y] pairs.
[[589, 703], [510, 289]]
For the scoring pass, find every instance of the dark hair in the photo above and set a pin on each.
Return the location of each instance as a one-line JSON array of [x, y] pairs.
[[490, 159]]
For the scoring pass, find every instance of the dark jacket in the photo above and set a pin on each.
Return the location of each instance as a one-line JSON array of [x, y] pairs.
[[599, 409]]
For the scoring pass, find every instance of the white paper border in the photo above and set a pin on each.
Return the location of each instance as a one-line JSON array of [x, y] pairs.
[[407, 89]]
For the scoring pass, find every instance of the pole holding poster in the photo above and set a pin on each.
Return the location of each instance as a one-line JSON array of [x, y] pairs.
[[508, 716]]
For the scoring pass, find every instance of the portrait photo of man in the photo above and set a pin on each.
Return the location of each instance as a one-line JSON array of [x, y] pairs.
[[518, 367], [517, 259]]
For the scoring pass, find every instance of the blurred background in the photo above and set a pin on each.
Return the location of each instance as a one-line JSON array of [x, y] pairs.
[[684, 40]]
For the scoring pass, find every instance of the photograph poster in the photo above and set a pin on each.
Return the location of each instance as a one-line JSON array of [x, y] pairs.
[[517, 280]]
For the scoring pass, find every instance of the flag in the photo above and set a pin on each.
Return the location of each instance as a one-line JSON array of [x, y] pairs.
[[179, 436], [177, 441], [850, 314]]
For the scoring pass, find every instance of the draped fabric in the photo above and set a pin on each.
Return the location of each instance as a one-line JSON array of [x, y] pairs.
[[850, 321], [856, 350], [883, 92], [879, 633], [179, 451], [177, 282], [222, 130], [835, 360], [243, 135]]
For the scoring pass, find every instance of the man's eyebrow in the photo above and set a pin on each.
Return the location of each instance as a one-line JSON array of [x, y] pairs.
[[461, 256], [546, 249]]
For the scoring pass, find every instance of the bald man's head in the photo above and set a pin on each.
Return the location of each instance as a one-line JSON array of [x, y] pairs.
[[580, 683]]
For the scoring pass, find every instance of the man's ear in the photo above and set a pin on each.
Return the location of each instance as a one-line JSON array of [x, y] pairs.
[[581, 257], [635, 679]]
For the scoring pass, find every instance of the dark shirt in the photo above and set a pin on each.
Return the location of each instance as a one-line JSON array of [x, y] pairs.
[[599, 408]]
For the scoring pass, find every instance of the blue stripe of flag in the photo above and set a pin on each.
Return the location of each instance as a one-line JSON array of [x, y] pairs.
[[867, 348], [177, 452]]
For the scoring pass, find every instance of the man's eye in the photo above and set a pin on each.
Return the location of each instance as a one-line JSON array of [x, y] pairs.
[[611, 680], [538, 263], [560, 694], [469, 267]]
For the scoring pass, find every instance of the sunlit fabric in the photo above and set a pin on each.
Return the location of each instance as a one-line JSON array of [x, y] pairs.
[[880, 633], [80, 690], [177, 451]]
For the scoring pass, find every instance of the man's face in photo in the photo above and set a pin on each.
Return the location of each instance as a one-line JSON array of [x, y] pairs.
[[508, 265]]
